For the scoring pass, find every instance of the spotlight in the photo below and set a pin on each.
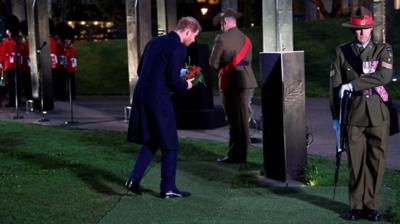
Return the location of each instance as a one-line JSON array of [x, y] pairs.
[[204, 10]]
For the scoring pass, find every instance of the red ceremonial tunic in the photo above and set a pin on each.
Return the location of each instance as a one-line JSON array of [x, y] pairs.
[[53, 53], [11, 51], [24, 60], [70, 55]]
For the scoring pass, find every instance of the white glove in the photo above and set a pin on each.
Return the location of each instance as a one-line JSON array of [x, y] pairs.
[[345, 87], [183, 72], [335, 124]]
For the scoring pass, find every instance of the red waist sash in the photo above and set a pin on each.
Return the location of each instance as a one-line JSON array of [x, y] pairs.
[[223, 80]]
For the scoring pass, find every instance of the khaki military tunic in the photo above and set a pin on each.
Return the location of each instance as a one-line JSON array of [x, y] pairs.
[[236, 96], [368, 119]]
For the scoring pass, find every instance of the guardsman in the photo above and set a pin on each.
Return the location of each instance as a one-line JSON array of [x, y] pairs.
[[24, 60], [363, 68], [71, 62], [11, 59], [2, 75], [60, 77], [55, 51]]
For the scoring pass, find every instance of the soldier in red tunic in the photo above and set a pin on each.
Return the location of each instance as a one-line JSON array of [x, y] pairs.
[[25, 69], [2, 75], [55, 50], [11, 59], [71, 62], [59, 77]]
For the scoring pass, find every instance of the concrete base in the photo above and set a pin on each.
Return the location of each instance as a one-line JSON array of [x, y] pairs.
[[201, 119], [276, 183]]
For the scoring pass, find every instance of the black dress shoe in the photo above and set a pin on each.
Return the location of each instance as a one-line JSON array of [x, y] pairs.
[[133, 186], [354, 215], [373, 215], [227, 159], [174, 194]]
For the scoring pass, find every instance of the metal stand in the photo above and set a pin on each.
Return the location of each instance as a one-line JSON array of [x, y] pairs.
[[29, 106], [43, 118], [127, 113], [70, 102], [16, 59], [17, 116]]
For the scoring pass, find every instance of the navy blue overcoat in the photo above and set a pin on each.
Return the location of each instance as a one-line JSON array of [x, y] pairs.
[[152, 118]]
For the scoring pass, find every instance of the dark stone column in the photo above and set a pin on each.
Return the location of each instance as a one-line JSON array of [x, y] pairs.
[[195, 109], [132, 45], [144, 23], [38, 35], [283, 111], [170, 11]]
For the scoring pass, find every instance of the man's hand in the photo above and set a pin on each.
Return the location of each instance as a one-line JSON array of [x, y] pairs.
[[189, 83], [345, 87]]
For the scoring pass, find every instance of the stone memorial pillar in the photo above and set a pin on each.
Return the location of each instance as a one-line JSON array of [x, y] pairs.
[[195, 108], [38, 35], [283, 95]]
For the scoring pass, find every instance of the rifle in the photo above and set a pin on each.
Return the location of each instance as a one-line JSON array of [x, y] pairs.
[[341, 134]]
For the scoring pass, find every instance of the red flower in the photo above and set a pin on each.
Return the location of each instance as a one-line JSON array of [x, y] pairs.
[[194, 72]]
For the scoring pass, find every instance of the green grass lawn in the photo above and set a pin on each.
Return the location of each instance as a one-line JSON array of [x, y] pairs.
[[56, 175], [103, 66]]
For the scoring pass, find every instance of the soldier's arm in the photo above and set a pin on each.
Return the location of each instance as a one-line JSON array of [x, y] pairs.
[[335, 83], [381, 76], [216, 53]]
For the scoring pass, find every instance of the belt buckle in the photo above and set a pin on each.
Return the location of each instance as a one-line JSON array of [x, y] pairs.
[[367, 93]]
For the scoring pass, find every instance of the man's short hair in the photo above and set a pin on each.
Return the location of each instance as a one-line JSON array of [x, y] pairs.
[[188, 22], [229, 19]]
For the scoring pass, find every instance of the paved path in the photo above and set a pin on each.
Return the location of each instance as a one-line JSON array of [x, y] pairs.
[[107, 113]]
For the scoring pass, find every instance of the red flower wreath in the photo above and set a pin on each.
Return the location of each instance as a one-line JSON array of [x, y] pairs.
[[193, 71]]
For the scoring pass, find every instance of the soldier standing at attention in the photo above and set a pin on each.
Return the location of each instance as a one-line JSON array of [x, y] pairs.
[[71, 62], [363, 67], [24, 60], [231, 57], [11, 52]]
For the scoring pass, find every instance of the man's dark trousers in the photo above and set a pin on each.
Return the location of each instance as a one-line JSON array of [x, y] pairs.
[[168, 166]]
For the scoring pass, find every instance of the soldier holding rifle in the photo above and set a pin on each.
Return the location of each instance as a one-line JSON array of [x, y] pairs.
[[363, 67]]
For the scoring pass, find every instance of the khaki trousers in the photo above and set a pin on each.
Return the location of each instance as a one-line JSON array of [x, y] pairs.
[[366, 160], [236, 109]]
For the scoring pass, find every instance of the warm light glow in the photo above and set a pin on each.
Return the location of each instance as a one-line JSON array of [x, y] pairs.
[[95, 23], [252, 24], [213, 2], [201, 1], [204, 10], [397, 4], [71, 24], [109, 24], [82, 23]]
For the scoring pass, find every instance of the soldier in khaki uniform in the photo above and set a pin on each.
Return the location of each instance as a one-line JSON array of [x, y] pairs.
[[231, 57], [363, 67]]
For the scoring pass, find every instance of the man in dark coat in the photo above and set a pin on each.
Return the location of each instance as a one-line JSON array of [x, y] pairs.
[[363, 67], [152, 122], [231, 57]]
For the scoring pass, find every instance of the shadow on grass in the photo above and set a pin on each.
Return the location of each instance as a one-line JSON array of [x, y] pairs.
[[338, 207], [205, 165], [94, 177]]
